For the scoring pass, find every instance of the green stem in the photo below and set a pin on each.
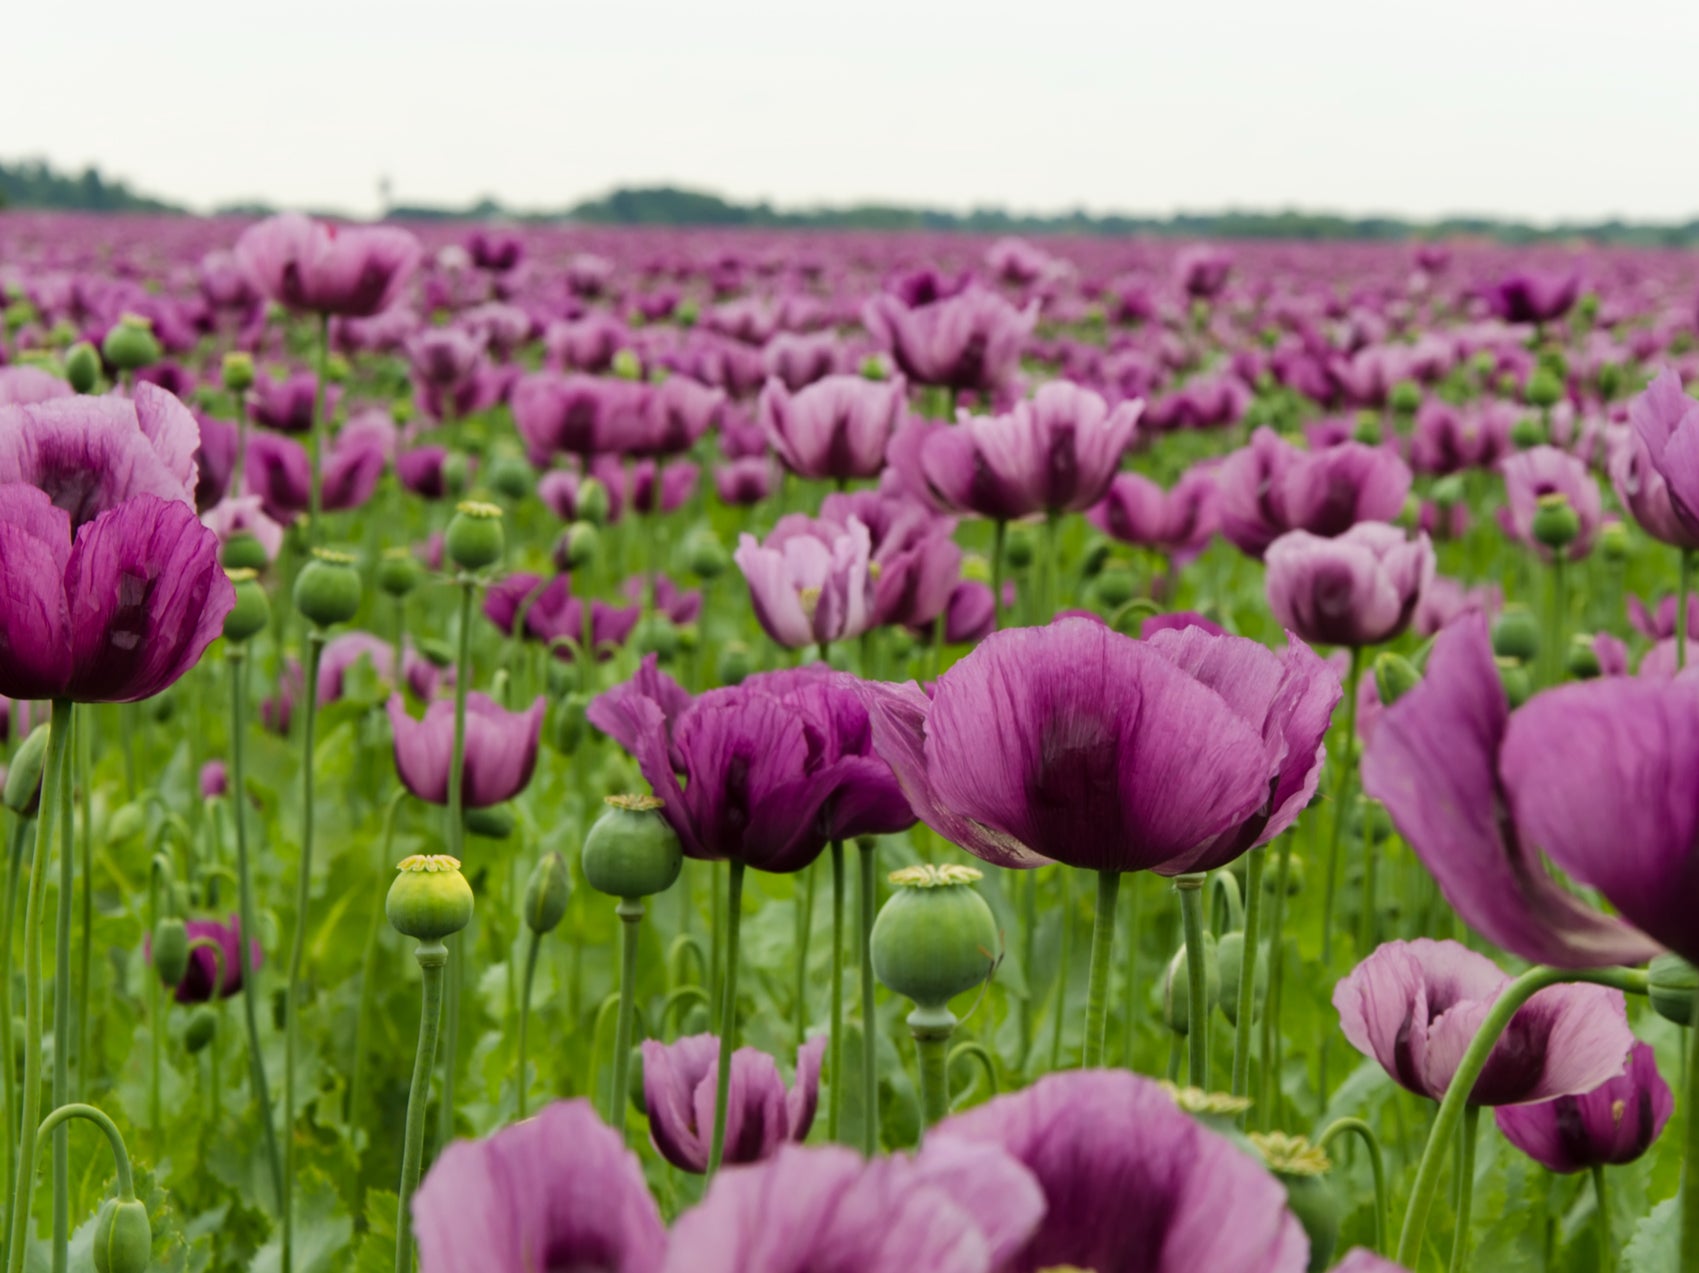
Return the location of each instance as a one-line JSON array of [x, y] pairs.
[[932, 1030], [8, 1052], [1602, 1199], [239, 470], [63, 713], [298, 941], [630, 912], [85, 895], [835, 1042], [1443, 1134], [1102, 952], [369, 968], [456, 841], [431, 956], [121, 1157], [1190, 888], [979, 1053], [716, 942], [1341, 788], [1689, 1154], [55, 777], [1029, 949], [1367, 917], [728, 1017], [315, 531], [156, 1032], [248, 912], [1246, 1007], [1064, 960], [1560, 612], [804, 932], [1377, 1166], [531, 947], [1052, 566], [868, 859], [1269, 1074], [1132, 973], [999, 533], [1466, 1142]]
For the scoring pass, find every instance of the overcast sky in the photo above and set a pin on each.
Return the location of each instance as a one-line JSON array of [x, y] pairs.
[[1544, 109]]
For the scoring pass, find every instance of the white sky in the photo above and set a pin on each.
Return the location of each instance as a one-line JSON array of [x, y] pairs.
[[1544, 109]]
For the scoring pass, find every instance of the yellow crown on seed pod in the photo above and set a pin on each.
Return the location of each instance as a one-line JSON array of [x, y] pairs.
[[1288, 1155], [428, 862], [926, 875], [1194, 1100]]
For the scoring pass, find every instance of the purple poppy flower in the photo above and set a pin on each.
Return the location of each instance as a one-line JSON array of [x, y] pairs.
[[494, 251], [279, 472], [445, 356], [1271, 487], [1615, 1123], [1179, 621], [91, 454], [116, 614], [350, 271], [1659, 624], [646, 486], [967, 342], [553, 615], [1178, 522], [1363, 1260], [617, 714], [557, 1191], [1450, 439], [797, 360], [287, 405], [1655, 465], [214, 780], [1131, 1182], [915, 562], [679, 605], [1359, 588], [278, 711], [1529, 297], [1071, 743], [25, 385], [676, 414], [558, 488], [679, 1081], [1444, 600], [826, 1209], [970, 615], [1660, 662], [1414, 1007], [219, 975], [835, 428], [568, 415], [342, 652], [1541, 473], [1202, 270], [420, 470], [1437, 763], [810, 582], [501, 749], [745, 481]]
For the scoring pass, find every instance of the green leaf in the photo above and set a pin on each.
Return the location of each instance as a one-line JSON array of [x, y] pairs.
[[1654, 1248]]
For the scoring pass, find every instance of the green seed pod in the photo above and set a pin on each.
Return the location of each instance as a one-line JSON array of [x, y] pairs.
[[592, 504], [1583, 660], [1367, 429], [1556, 523], [1673, 984], [474, 539], [23, 778], [82, 367], [935, 938], [1609, 380], [237, 372], [327, 591], [493, 823], [734, 664], [1518, 685], [689, 637], [510, 477], [337, 370], [1115, 587], [399, 572], [1177, 989], [1406, 397], [580, 544], [566, 726], [1616, 542], [1302, 1170], [242, 551], [252, 611], [130, 345], [200, 1030], [1229, 957], [1545, 389], [1516, 635], [1527, 433], [631, 851], [873, 368], [706, 556], [456, 473], [123, 1237], [1395, 676], [627, 365], [430, 899], [655, 634], [1018, 550], [170, 948], [547, 893]]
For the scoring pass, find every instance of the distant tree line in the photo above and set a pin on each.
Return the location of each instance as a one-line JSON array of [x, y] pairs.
[[35, 184]]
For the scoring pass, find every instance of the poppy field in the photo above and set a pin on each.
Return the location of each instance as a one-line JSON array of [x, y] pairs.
[[544, 748]]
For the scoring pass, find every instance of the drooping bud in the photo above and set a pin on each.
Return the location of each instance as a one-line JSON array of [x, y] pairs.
[[82, 367], [655, 634], [592, 504], [1583, 661], [1518, 685], [631, 851], [1673, 984], [566, 729], [1096, 558], [580, 543], [935, 938], [131, 345], [1230, 959], [1395, 676], [706, 556], [1527, 433], [23, 777], [474, 540], [495, 822], [123, 1237], [430, 899], [327, 591], [1448, 491], [1616, 542], [1018, 550], [1115, 587], [456, 473], [200, 1030], [1302, 1170], [1556, 523], [547, 893], [170, 950]]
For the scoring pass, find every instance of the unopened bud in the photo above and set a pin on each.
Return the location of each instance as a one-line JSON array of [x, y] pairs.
[[547, 893]]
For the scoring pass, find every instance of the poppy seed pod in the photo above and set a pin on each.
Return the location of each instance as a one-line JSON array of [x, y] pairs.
[[1176, 1001], [237, 372], [170, 950], [327, 591], [1583, 660], [510, 477], [131, 345], [1556, 523], [123, 1237], [252, 611], [547, 893], [430, 899], [579, 544], [1545, 389], [1406, 397], [566, 725], [1518, 685], [82, 367], [705, 556], [474, 539], [935, 938], [1516, 635], [1302, 1169], [656, 635], [1616, 544], [243, 551], [735, 663], [631, 851], [398, 572], [593, 505], [1527, 433], [456, 474], [23, 778]]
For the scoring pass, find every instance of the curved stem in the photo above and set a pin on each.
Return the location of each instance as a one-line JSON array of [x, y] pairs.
[[63, 715], [1225, 890], [456, 842], [682, 945], [531, 947], [630, 912], [247, 912], [431, 956], [1377, 1166], [835, 1028], [1131, 1006], [1102, 951], [298, 942], [1341, 789], [1602, 1200], [867, 859], [114, 1138], [1246, 1007], [728, 1018], [979, 1053], [680, 995], [1466, 1141], [1190, 888]]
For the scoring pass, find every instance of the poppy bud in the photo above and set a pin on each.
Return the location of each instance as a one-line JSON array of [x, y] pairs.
[[1583, 659], [327, 591], [130, 345], [430, 899], [1176, 988], [123, 1237], [1516, 635], [1018, 551], [547, 893], [1556, 523], [493, 823], [631, 851], [1302, 1170], [1609, 380], [734, 664], [1230, 958], [242, 551], [578, 547], [706, 556], [567, 724], [1096, 557], [626, 365], [237, 372], [1545, 389], [655, 634], [873, 368], [1395, 676], [1115, 587], [474, 539], [399, 572], [1616, 542], [689, 637], [82, 367], [252, 610], [170, 950], [202, 1026], [23, 779], [1406, 397], [592, 503], [1527, 433], [1367, 429], [509, 476], [1673, 983], [935, 938]]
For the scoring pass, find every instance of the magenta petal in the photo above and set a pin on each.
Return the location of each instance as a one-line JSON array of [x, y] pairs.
[[35, 638], [672, 1074], [804, 1096]]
